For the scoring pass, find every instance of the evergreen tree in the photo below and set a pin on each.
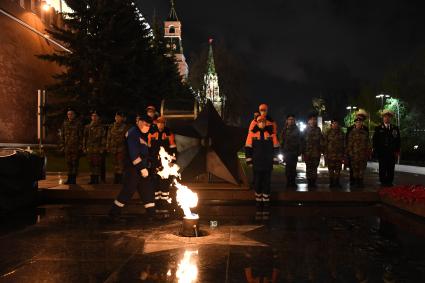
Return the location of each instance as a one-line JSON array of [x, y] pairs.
[[115, 64]]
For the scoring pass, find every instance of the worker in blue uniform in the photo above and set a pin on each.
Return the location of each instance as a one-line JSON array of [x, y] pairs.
[[137, 176]]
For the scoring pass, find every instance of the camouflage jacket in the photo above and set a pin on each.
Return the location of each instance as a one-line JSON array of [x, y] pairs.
[[358, 145], [116, 137], [312, 144], [290, 140], [94, 138], [334, 144], [71, 137]]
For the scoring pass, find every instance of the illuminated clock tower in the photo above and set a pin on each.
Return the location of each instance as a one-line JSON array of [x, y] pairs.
[[173, 39]]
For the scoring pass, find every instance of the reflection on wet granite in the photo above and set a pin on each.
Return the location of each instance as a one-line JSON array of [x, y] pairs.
[[77, 243]]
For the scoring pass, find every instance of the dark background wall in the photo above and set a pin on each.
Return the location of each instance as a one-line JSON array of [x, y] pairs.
[[21, 73]]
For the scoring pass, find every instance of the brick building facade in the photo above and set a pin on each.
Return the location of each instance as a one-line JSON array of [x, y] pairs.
[[21, 72]]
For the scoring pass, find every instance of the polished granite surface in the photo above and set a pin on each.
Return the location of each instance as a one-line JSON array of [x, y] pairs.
[[78, 243]]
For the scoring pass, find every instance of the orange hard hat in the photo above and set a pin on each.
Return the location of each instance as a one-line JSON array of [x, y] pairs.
[[161, 119], [263, 107], [150, 107]]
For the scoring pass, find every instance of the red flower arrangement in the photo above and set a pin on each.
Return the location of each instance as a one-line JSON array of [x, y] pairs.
[[409, 194]]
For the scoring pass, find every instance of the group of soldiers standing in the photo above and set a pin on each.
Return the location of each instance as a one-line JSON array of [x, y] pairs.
[[93, 140], [352, 148], [135, 153]]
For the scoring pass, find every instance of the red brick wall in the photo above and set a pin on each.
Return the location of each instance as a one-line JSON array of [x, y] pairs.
[[21, 73]]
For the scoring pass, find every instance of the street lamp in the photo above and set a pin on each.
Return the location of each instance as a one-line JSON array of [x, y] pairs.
[[382, 96], [351, 108]]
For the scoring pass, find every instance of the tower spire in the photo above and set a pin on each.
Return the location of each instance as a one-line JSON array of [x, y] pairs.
[[210, 62], [172, 17]]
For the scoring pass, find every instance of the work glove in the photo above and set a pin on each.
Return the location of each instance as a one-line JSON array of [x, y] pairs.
[[144, 172]]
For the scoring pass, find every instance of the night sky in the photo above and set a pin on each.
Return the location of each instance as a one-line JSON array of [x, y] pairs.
[[295, 50]]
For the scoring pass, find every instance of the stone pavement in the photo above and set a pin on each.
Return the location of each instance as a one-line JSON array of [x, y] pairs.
[[78, 243]]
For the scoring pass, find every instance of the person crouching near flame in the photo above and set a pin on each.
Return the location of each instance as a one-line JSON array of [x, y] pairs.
[[161, 137], [136, 169], [261, 149]]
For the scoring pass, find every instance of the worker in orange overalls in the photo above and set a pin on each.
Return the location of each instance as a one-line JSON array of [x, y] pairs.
[[161, 137], [261, 149], [263, 109], [151, 112]]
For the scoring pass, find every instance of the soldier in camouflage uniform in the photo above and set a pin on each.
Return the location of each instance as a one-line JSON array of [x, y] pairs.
[[361, 114], [312, 146], [334, 152], [71, 144], [115, 145], [290, 143], [358, 149], [94, 146]]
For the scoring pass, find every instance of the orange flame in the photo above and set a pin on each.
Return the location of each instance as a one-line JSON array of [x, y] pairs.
[[186, 198]]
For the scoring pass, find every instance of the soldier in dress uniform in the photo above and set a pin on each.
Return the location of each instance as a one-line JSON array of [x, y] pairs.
[[386, 146], [94, 145], [290, 143], [312, 147], [115, 145], [334, 152], [162, 137], [71, 143], [360, 114], [358, 149], [137, 163]]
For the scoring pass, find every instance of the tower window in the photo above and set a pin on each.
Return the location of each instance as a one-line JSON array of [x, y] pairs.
[[172, 29]]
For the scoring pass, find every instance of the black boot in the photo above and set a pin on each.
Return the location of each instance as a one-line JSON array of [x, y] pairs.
[[68, 180], [115, 211], [73, 180], [92, 182], [312, 184], [337, 184], [331, 183], [117, 178], [360, 183], [150, 213]]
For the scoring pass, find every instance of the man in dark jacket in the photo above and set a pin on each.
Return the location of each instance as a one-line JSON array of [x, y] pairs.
[[290, 143], [261, 148], [386, 146], [136, 169]]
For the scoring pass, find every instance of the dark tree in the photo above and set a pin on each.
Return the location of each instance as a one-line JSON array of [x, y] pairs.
[[115, 64]]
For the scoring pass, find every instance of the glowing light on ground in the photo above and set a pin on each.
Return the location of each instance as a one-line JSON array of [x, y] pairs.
[[187, 271]]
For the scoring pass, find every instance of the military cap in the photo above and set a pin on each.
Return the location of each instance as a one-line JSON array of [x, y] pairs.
[[387, 112], [120, 113], [358, 119], [161, 119], [312, 115], [361, 113], [150, 107]]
